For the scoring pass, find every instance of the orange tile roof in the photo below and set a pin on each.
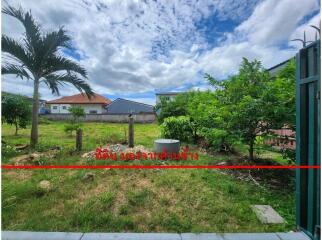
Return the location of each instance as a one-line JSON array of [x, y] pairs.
[[81, 99]]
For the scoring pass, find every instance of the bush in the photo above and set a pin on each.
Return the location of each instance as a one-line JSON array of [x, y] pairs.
[[217, 139], [177, 128]]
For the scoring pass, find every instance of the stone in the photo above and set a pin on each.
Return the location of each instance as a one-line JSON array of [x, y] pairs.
[[266, 214], [221, 163], [89, 177], [45, 185], [20, 147], [90, 154]]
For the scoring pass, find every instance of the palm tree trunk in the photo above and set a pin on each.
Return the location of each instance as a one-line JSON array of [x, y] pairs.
[[35, 106]]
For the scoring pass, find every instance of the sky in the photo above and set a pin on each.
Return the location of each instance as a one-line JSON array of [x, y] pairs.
[[133, 49]]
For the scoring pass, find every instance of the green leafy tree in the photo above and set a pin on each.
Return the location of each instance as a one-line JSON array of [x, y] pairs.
[[172, 108], [252, 102], [77, 113], [38, 58], [16, 111]]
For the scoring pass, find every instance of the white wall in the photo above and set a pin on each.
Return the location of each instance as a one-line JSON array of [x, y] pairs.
[[63, 108]]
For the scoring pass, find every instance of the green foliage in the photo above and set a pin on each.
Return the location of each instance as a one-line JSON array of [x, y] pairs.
[[77, 112], [16, 110], [252, 103], [175, 107], [177, 128], [218, 139]]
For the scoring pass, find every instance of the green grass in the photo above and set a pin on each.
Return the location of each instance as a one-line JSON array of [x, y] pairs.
[[131, 200]]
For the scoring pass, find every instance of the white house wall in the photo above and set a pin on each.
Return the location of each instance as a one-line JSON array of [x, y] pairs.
[[63, 108]]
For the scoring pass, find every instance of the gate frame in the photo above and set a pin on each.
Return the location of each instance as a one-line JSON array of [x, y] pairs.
[[305, 185]]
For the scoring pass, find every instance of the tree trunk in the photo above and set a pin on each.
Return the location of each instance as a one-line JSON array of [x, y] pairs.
[[16, 124], [35, 106], [251, 150], [131, 132]]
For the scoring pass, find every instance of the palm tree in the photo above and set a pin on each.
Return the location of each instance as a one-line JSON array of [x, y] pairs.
[[38, 58]]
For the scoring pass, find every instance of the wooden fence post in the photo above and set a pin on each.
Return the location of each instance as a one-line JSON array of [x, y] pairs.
[[131, 131], [79, 138]]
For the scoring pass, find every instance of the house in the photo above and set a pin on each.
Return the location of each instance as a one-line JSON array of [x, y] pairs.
[[124, 106], [95, 105], [166, 95]]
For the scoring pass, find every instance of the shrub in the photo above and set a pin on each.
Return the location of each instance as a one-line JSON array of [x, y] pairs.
[[218, 139], [177, 128], [16, 110]]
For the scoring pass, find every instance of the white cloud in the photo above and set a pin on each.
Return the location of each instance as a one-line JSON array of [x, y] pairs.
[[139, 46]]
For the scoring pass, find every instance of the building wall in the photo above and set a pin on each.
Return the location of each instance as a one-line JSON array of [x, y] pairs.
[[115, 118], [63, 108]]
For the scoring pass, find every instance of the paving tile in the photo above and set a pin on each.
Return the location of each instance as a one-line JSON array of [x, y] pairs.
[[131, 236], [293, 236], [201, 236], [22, 235], [250, 236], [266, 214]]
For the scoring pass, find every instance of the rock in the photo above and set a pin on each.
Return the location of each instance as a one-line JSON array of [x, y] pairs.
[[22, 160], [266, 214], [45, 185], [89, 177], [221, 163], [90, 154], [21, 146]]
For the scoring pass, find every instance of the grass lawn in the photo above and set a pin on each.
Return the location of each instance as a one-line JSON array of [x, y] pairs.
[[131, 200]]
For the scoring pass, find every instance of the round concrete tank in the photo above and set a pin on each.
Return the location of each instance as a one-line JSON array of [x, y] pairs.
[[170, 145]]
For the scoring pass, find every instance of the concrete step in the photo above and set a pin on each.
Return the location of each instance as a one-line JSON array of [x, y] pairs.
[[24, 235]]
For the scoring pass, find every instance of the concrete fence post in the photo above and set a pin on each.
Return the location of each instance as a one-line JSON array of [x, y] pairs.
[[131, 131], [79, 139]]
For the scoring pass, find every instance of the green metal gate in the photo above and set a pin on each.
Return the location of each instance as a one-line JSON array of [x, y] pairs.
[[308, 137]]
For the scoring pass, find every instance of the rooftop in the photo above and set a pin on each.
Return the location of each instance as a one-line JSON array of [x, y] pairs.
[[81, 99]]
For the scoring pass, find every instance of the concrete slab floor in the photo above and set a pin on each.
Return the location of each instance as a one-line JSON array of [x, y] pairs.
[[24, 235]]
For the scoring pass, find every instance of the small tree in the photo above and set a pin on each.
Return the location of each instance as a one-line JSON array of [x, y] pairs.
[[16, 111], [77, 113], [254, 103]]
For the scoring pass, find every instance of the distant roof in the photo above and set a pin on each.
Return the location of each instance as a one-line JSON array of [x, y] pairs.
[[273, 70], [168, 93], [81, 99], [123, 106]]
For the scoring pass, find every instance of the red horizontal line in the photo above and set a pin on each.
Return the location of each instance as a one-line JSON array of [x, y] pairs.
[[159, 167]]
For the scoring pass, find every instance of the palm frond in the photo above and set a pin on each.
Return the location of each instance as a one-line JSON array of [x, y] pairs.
[[19, 71], [16, 50], [50, 44], [54, 40], [58, 63], [54, 80], [32, 28]]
